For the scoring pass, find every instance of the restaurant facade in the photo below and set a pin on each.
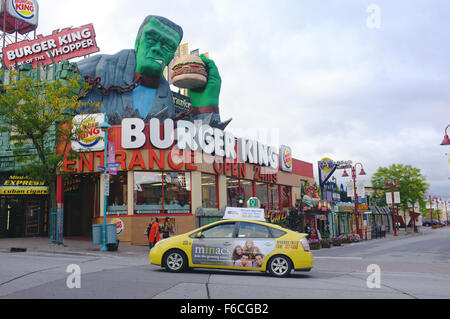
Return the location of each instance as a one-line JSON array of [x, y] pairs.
[[173, 181]]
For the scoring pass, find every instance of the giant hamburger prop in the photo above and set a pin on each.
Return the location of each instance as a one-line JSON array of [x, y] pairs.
[[189, 72]]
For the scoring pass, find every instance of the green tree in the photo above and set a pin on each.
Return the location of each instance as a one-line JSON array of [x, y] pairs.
[[38, 115], [413, 185]]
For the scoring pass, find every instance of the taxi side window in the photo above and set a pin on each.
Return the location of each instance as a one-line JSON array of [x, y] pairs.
[[250, 230], [219, 231], [276, 233]]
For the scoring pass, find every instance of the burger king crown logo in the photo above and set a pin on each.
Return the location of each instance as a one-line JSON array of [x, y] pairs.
[[90, 135], [287, 158], [24, 8]]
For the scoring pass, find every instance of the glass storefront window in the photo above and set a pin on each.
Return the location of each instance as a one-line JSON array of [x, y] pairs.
[[177, 193], [117, 199], [148, 192], [209, 191], [286, 196], [261, 193], [157, 192], [274, 197], [238, 192]]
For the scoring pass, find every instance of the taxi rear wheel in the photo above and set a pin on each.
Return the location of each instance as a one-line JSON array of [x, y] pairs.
[[280, 266], [175, 261]]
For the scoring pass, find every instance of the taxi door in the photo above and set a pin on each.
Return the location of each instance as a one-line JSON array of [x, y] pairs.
[[254, 243], [212, 246]]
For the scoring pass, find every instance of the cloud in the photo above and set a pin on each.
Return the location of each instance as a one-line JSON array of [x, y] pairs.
[[312, 70]]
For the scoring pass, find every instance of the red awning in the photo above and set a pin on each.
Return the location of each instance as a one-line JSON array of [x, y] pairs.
[[414, 214]]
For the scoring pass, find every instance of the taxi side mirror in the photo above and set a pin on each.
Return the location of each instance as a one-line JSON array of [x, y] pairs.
[[199, 235]]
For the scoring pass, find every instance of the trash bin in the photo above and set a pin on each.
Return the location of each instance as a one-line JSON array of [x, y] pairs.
[[97, 236], [111, 236]]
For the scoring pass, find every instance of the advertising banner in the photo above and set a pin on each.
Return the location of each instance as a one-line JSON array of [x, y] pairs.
[[360, 190], [61, 45], [350, 191], [396, 198], [234, 252]]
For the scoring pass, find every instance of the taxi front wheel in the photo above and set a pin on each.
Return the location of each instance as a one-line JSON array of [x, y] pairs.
[[280, 266], [175, 261]]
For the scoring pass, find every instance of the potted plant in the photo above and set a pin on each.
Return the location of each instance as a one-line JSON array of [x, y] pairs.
[[325, 243], [347, 238], [314, 244], [337, 241], [356, 238]]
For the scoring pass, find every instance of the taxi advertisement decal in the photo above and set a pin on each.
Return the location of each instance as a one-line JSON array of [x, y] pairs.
[[241, 253]]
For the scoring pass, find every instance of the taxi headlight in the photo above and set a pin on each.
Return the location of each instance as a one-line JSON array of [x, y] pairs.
[[305, 244]]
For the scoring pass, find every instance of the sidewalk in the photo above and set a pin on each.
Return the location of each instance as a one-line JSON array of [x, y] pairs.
[[74, 245]]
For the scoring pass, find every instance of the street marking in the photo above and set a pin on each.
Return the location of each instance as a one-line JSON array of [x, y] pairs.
[[326, 257]]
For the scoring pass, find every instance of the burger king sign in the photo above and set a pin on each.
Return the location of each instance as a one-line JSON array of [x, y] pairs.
[[88, 137], [24, 8], [285, 158]]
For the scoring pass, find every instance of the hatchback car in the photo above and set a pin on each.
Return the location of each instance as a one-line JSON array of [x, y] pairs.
[[235, 244]]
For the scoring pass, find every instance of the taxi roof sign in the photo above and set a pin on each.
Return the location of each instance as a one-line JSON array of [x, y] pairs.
[[256, 214]]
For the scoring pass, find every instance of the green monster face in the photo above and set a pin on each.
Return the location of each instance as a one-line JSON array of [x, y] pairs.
[[155, 48]]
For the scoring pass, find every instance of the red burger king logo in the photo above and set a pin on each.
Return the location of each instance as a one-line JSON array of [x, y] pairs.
[[24, 8]]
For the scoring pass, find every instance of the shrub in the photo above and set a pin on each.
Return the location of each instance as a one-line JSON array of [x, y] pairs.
[[325, 243], [356, 238], [337, 241], [314, 244]]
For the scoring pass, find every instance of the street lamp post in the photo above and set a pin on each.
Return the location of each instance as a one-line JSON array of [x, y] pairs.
[[358, 231], [105, 127], [394, 217], [446, 213], [431, 211]]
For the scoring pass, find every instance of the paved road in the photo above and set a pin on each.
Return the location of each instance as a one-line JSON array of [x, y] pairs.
[[411, 267]]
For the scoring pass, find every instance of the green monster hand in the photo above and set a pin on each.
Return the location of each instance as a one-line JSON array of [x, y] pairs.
[[209, 95]]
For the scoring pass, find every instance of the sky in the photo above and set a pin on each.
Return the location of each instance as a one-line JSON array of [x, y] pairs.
[[365, 81]]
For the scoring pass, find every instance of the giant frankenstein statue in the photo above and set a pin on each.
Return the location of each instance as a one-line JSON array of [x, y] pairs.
[[131, 83]]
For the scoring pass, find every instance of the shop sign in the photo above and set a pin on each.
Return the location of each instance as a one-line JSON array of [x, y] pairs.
[[276, 216], [89, 137], [120, 225], [199, 137], [361, 207], [61, 45], [22, 10], [326, 164], [177, 160], [254, 202], [229, 168], [22, 185], [25, 9], [285, 158]]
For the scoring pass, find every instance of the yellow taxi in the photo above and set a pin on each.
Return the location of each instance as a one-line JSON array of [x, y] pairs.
[[238, 244]]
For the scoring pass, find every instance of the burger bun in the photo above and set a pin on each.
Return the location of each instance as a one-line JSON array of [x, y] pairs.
[[189, 72]]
